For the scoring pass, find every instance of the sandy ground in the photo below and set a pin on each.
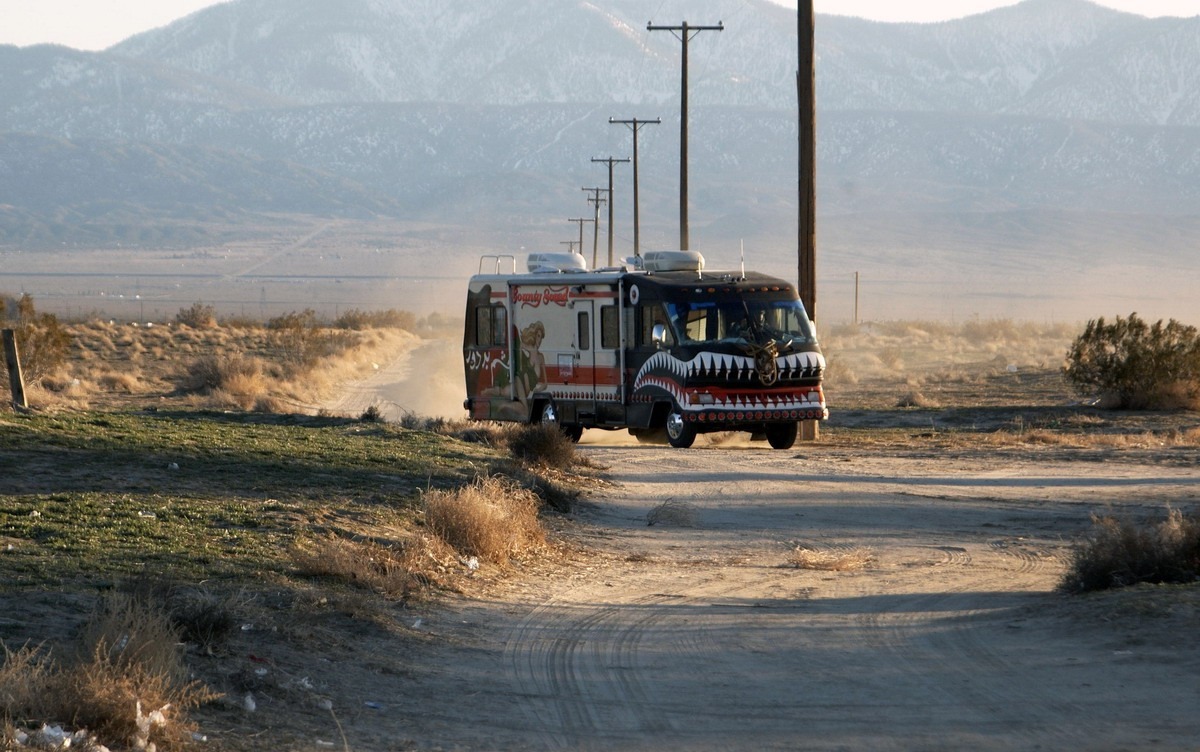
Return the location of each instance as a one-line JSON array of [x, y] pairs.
[[697, 633]]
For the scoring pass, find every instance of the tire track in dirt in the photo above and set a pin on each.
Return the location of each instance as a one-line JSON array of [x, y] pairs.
[[581, 667], [593, 675], [700, 636], [944, 642]]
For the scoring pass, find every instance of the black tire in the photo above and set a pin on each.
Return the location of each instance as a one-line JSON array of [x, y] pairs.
[[549, 416], [782, 435], [680, 433]]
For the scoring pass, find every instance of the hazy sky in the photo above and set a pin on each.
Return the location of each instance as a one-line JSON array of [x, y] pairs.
[[96, 24]]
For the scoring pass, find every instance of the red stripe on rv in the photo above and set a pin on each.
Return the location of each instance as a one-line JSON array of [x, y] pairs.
[[584, 375]]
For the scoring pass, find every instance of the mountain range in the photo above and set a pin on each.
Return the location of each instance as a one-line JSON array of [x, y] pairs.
[[1040, 131]]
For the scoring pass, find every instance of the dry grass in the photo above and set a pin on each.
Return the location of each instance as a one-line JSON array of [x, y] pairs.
[[915, 399], [126, 684], [114, 381], [876, 364], [1123, 552], [1096, 438], [242, 366], [207, 619], [831, 560], [493, 519], [542, 444], [396, 571], [671, 512], [25, 679]]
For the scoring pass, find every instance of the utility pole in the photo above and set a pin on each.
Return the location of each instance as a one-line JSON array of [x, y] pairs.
[[16, 381], [810, 430], [596, 201], [635, 125], [806, 91], [610, 161], [684, 34], [570, 243], [581, 221]]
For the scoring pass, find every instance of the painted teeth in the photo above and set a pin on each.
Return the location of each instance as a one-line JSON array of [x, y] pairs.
[[730, 367]]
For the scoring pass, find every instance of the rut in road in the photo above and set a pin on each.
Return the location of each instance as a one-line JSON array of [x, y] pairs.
[[703, 638]]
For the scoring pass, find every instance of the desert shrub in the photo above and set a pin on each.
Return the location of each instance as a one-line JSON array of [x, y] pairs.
[[128, 685], [979, 331], [113, 381], [25, 307], [493, 518], [391, 318], [915, 398], [373, 414], [399, 571], [831, 560], [301, 340], [1122, 552], [205, 618], [42, 342], [131, 667], [542, 444], [25, 678], [671, 512], [198, 316], [235, 374], [1130, 364]]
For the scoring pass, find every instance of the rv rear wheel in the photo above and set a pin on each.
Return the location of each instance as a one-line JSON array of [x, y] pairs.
[[680, 434], [549, 416], [782, 435]]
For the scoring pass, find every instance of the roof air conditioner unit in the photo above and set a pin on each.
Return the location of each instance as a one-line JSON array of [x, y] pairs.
[[673, 261]]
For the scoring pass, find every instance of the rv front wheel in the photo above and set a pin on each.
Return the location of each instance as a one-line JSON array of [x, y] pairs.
[[680, 434], [782, 435]]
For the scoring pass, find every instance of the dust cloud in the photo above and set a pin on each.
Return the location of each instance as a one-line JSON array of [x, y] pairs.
[[425, 380], [429, 382]]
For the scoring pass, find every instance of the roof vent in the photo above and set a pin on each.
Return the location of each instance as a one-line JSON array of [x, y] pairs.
[[673, 261], [540, 263]]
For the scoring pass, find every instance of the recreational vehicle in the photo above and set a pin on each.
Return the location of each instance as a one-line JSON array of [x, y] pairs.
[[660, 348]]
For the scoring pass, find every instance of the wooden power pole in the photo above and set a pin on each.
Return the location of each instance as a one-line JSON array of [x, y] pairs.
[[610, 161], [16, 380], [684, 34], [806, 89], [636, 125], [595, 201], [807, 93]]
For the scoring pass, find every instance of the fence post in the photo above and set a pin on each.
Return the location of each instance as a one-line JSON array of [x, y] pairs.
[[15, 380]]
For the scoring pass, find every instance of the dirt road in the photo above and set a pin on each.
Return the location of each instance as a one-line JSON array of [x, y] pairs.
[[696, 633]]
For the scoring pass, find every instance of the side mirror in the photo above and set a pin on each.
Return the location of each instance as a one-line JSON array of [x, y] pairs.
[[659, 335]]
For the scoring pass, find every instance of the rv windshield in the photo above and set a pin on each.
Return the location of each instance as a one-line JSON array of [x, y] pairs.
[[697, 322]]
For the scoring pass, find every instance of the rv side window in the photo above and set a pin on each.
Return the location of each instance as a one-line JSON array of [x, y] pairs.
[[499, 325], [651, 315], [483, 325], [491, 326], [585, 332], [610, 328]]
